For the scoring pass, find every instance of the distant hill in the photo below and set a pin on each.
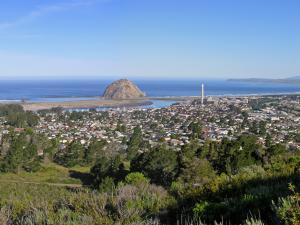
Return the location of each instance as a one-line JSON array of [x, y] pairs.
[[123, 89], [294, 78], [290, 80]]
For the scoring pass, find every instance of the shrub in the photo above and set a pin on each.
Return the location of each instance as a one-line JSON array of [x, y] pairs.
[[136, 178], [288, 209], [253, 221]]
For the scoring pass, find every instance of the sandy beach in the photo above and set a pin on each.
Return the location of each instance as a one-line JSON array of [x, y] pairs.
[[35, 106]]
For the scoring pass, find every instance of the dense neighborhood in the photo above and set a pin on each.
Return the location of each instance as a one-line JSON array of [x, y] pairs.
[[277, 116]]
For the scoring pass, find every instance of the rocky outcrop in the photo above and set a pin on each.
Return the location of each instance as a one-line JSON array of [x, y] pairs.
[[123, 89]]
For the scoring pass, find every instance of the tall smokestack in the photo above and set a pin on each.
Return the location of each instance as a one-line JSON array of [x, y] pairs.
[[202, 95]]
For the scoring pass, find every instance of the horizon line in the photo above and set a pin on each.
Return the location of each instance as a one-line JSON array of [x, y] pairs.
[[113, 77]]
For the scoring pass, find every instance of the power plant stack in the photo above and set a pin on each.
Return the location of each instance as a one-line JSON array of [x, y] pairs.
[[202, 95]]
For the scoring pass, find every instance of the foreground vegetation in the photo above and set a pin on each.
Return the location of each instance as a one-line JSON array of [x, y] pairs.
[[49, 173], [237, 181]]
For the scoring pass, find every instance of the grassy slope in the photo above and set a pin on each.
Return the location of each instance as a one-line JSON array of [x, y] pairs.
[[50, 173]]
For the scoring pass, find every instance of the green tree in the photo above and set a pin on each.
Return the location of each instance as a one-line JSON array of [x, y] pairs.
[[254, 128], [76, 115], [275, 150], [297, 137], [7, 109], [32, 119], [268, 141], [22, 154], [247, 153], [107, 167], [121, 127], [22, 119], [262, 128], [196, 129], [196, 174], [94, 151], [159, 164], [71, 156], [16, 119], [188, 153], [134, 143]]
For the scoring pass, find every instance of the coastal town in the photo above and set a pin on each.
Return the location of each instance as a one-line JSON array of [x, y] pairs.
[[157, 112], [219, 117], [203, 118]]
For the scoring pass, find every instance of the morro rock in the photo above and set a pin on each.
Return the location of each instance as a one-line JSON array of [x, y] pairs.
[[123, 89]]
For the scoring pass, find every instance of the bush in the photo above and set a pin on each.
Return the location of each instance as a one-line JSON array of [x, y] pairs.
[[288, 209], [136, 178], [133, 203], [253, 221], [32, 166]]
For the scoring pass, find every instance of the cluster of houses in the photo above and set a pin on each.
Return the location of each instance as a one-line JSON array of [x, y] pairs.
[[219, 117]]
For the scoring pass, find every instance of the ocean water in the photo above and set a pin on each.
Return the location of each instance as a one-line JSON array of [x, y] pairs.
[[67, 90], [155, 104]]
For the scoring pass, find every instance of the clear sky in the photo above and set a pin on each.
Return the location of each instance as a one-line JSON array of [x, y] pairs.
[[149, 38]]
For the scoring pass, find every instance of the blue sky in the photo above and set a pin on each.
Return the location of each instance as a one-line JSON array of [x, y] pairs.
[[149, 38]]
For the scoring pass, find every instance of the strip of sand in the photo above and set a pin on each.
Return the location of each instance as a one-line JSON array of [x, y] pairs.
[[35, 106]]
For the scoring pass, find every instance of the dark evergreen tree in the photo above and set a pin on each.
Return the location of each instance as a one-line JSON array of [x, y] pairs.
[[134, 143], [159, 164]]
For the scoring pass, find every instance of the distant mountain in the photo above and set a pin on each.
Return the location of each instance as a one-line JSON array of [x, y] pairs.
[[123, 89], [290, 80], [294, 78]]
